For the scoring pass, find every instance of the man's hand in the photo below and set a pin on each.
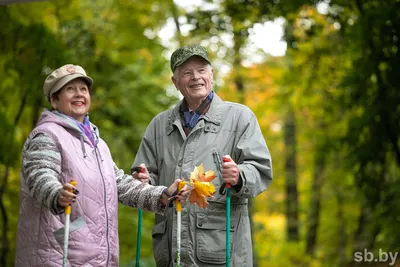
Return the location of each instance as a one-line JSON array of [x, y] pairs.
[[230, 171], [141, 173]]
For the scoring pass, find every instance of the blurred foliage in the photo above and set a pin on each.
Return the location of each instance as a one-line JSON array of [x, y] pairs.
[[339, 74]]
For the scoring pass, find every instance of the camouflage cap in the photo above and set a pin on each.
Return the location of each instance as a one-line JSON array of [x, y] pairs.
[[184, 53]]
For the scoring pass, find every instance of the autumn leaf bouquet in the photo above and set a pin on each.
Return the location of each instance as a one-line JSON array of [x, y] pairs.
[[202, 187]]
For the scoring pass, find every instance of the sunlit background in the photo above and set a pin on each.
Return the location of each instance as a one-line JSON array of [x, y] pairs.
[[321, 77]]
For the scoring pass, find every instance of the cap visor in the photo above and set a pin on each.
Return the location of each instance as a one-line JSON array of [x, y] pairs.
[[67, 79]]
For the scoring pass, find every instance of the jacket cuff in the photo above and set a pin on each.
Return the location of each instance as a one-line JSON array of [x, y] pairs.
[[56, 208], [239, 185], [169, 197]]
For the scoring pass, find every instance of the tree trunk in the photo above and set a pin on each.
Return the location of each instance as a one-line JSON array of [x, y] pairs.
[[4, 248], [315, 204], [175, 15], [291, 176], [367, 230], [342, 232]]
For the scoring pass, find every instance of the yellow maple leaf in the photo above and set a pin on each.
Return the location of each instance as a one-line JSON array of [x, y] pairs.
[[200, 181]]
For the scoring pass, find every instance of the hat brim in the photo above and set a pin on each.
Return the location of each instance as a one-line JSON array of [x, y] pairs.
[[184, 59], [66, 79]]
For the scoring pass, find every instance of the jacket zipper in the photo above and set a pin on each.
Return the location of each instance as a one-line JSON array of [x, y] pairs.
[[105, 203], [180, 175]]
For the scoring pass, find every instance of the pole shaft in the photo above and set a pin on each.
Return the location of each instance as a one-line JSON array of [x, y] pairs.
[[66, 228], [178, 239], [66, 236], [139, 234]]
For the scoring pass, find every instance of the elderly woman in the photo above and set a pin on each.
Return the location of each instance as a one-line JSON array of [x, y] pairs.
[[64, 146]]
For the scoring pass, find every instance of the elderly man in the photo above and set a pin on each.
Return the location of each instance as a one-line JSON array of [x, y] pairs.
[[186, 136]]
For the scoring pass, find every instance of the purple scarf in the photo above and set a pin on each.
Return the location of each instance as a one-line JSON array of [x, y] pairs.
[[85, 128]]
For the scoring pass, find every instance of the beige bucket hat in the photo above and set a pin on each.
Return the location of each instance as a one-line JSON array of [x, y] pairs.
[[61, 76]]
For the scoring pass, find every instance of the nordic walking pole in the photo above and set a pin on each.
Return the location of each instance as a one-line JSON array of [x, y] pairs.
[[228, 220], [66, 229], [178, 206], [139, 233], [140, 222]]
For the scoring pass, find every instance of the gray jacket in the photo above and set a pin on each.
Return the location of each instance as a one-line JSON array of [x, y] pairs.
[[169, 154]]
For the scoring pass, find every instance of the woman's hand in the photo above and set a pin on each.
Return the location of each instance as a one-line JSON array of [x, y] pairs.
[[65, 197], [183, 194], [173, 193], [141, 173]]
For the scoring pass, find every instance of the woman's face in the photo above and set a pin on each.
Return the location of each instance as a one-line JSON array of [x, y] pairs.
[[73, 99]]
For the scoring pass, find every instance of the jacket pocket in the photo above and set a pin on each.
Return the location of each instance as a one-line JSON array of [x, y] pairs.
[[211, 237], [81, 246], [160, 244]]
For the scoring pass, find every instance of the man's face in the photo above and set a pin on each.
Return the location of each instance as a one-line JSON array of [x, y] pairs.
[[73, 99], [194, 80]]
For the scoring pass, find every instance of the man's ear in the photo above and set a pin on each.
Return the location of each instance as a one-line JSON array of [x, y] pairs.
[[173, 79]]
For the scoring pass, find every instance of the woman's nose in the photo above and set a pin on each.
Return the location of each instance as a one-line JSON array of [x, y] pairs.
[[78, 93]]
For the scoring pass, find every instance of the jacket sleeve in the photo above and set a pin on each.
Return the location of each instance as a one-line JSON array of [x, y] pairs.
[[41, 167], [252, 156], [136, 194]]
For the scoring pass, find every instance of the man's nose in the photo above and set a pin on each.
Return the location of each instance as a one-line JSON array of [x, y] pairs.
[[196, 75]]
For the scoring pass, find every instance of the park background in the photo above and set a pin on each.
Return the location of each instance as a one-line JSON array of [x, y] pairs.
[[328, 106]]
